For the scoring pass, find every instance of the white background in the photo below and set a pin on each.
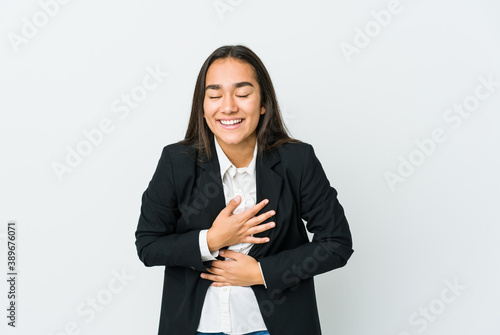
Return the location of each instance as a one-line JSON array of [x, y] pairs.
[[361, 112]]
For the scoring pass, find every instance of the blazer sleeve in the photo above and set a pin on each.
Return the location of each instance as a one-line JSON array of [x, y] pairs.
[[157, 242], [331, 245]]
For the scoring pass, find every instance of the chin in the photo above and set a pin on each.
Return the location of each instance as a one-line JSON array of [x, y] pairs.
[[231, 140]]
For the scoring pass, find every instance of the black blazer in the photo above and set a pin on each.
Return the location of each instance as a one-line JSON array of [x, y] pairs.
[[185, 195]]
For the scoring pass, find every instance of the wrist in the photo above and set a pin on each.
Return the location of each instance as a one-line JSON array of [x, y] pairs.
[[212, 242]]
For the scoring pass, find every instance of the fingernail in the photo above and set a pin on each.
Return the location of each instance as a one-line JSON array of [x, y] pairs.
[[272, 224], [273, 212], [202, 275], [266, 202], [221, 252]]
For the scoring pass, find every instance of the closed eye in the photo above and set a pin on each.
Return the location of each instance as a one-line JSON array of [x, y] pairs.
[[214, 97], [243, 96]]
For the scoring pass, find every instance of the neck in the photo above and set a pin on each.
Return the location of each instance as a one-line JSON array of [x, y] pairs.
[[240, 155]]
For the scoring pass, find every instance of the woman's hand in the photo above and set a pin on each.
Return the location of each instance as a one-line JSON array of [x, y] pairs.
[[229, 228], [242, 270]]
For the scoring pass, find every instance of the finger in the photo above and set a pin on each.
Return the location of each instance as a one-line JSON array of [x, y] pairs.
[[261, 228], [219, 284], [256, 240], [222, 265], [231, 206], [252, 211], [231, 254], [217, 264], [214, 271], [254, 221], [214, 278]]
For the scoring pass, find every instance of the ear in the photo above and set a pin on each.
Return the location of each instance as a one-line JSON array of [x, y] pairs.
[[262, 110]]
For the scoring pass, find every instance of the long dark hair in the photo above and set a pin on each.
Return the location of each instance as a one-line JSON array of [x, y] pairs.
[[271, 130]]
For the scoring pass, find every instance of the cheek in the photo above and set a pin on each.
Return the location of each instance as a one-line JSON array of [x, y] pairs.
[[251, 106], [207, 112], [256, 109]]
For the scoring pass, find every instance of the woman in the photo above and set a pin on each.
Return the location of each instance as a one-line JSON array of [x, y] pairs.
[[223, 212]]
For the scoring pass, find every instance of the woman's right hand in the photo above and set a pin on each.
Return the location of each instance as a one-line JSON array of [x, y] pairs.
[[229, 228]]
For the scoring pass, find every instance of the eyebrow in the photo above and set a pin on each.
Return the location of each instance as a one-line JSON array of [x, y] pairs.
[[236, 85]]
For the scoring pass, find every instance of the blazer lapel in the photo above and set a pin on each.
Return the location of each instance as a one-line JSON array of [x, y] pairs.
[[268, 187], [211, 185]]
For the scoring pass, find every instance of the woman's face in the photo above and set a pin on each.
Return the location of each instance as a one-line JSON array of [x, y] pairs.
[[232, 104]]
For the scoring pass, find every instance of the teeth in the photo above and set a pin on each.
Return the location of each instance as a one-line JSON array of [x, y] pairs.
[[230, 122]]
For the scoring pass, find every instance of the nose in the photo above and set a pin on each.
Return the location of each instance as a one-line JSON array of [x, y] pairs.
[[228, 104]]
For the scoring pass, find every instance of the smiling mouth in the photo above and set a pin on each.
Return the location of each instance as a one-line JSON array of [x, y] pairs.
[[230, 122]]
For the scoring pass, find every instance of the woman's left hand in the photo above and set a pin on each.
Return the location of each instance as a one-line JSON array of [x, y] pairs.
[[242, 270]]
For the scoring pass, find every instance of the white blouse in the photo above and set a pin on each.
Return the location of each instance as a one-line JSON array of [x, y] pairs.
[[232, 309]]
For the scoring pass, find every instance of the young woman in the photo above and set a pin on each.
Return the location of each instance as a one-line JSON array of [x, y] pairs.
[[223, 212]]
